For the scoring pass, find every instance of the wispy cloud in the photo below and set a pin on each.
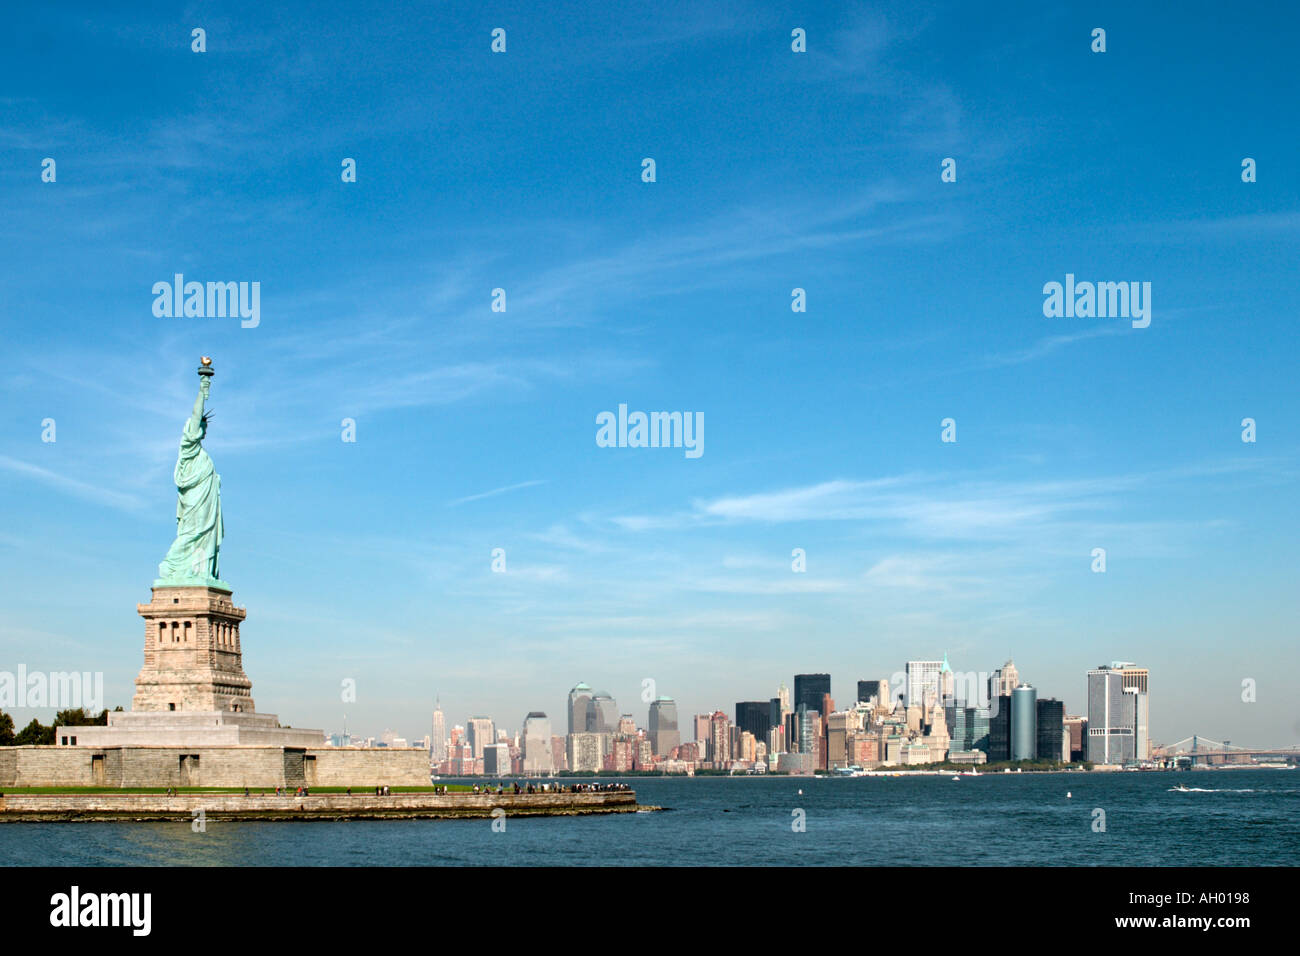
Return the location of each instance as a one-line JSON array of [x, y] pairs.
[[496, 491], [81, 489]]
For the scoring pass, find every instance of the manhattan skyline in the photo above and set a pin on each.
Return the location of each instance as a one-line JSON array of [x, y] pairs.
[[475, 430]]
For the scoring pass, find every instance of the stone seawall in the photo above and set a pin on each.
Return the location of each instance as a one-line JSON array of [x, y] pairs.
[[101, 807], [212, 766]]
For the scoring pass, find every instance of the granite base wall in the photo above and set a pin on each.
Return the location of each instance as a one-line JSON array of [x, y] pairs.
[[37, 766]]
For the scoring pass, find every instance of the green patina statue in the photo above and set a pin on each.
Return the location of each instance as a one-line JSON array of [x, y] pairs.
[[193, 556]]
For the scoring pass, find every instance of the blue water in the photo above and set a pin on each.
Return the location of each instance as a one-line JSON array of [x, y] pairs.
[[1237, 818]]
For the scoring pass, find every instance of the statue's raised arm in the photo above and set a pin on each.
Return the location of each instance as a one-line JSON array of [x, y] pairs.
[[194, 555]]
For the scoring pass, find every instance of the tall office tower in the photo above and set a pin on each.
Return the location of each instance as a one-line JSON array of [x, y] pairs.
[[602, 714], [1135, 682], [535, 744], [438, 742], [702, 730], [754, 716], [773, 713], [947, 686], [1024, 723], [578, 698], [1003, 681], [1076, 731], [809, 690], [868, 690], [810, 726], [496, 760], [1134, 677], [791, 728], [969, 727], [922, 683], [783, 695], [457, 738], [747, 747], [584, 752], [776, 740], [719, 738], [1000, 730], [664, 737], [558, 758], [1051, 736], [839, 728], [1112, 717], [480, 733], [627, 725]]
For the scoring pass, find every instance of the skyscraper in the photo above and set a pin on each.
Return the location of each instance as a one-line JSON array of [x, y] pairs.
[[535, 744], [1112, 716], [1135, 681], [755, 717], [1076, 728], [1024, 723], [480, 733], [602, 714], [922, 683], [578, 698], [584, 754], [947, 685], [868, 689], [664, 736], [1003, 681], [809, 730], [1000, 729], [496, 760], [968, 727], [438, 740], [1052, 741], [719, 738], [702, 731], [809, 689]]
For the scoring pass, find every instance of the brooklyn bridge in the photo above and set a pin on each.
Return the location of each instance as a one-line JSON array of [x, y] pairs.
[[1201, 751]]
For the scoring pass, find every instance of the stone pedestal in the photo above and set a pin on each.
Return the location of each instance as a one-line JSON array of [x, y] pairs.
[[192, 691], [192, 657], [191, 729]]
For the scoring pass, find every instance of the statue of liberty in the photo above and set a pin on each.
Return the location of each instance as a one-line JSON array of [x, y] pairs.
[[192, 558]]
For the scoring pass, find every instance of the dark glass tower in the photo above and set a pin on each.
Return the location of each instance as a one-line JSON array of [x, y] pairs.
[[809, 690], [754, 716], [1000, 730], [868, 689], [1051, 728]]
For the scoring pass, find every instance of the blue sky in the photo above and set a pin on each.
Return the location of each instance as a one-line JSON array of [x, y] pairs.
[[476, 429]]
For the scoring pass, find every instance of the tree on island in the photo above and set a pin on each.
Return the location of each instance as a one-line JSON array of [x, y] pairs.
[[35, 733], [79, 718]]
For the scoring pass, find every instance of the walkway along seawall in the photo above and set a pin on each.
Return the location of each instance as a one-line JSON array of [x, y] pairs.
[[99, 807]]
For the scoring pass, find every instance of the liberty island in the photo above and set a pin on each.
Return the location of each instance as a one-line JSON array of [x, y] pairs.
[[193, 722]]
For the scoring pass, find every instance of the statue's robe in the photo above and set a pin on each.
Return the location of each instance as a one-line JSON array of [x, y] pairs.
[[199, 528]]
